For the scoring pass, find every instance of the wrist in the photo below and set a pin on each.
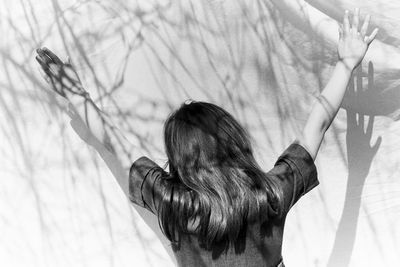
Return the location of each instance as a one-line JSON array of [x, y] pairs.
[[345, 66], [77, 99]]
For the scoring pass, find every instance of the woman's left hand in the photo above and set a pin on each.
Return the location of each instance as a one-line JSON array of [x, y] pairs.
[[353, 44]]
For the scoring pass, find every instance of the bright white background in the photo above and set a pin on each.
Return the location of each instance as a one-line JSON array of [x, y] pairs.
[[263, 61]]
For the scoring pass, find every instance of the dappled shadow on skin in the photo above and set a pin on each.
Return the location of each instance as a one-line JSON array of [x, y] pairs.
[[218, 76], [360, 154], [155, 35]]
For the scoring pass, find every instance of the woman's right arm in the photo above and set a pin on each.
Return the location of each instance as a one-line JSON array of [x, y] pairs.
[[352, 46], [104, 149], [88, 121]]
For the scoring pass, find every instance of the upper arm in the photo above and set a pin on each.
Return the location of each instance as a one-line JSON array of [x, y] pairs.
[[145, 184], [145, 190], [296, 172], [311, 137]]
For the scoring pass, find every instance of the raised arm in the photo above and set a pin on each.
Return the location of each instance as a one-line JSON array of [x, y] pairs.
[[91, 124], [352, 46], [88, 121]]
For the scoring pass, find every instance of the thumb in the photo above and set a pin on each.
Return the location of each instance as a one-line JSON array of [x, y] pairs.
[[369, 39]]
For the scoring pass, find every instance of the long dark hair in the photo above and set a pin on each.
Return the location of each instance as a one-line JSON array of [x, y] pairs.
[[214, 183]]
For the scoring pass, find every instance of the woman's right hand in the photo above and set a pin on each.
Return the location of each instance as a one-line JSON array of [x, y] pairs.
[[62, 76], [353, 44], [80, 108]]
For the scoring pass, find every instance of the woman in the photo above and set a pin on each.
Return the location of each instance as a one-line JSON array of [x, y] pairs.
[[215, 205]]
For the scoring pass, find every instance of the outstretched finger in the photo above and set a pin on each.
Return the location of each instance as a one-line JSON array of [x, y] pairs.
[[365, 25], [43, 56], [369, 39], [43, 64], [370, 76], [52, 56], [346, 23], [55, 69], [45, 76], [356, 21]]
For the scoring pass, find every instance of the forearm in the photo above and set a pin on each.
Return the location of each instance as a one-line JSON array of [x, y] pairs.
[[92, 116], [115, 166], [331, 97], [352, 46], [112, 161], [120, 173], [325, 109]]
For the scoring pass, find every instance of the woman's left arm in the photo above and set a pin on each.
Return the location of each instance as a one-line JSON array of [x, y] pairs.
[[352, 46]]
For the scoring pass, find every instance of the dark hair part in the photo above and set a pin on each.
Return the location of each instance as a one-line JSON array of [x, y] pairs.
[[214, 183]]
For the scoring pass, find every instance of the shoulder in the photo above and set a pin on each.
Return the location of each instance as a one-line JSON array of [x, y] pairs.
[[144, 183], [296, 172], [142, 166], [297, 157]]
